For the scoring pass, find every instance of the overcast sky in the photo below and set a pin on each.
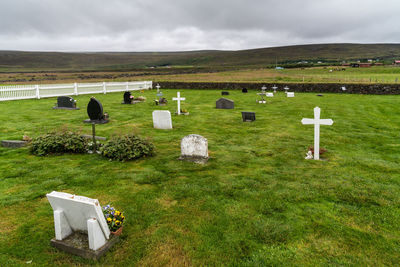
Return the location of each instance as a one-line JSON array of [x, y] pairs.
[[174, 25]]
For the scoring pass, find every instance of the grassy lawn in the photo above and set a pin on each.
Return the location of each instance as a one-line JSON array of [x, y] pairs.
[[257, 202]]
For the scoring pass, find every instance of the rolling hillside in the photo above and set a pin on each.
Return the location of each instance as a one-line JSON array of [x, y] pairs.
[[45, 61]]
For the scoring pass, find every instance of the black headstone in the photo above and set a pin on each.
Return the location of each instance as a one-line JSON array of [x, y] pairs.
[[248, 116], [127, 97], [244, 90], [224, 103], [65, 102], [224, 93], [95, 110]]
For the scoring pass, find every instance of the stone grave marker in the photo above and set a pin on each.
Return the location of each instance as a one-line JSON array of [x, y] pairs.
[[95, 112], [317, 122], [162, 119], [65, 102], [274, 88], [13, 143], [127, 98], [178, 98], [244, 90], [80, 226], [270, 94], [194, 148], [96, 116], [224, 93], [290, 94], [248, 116], [286, 89], [224, 103]]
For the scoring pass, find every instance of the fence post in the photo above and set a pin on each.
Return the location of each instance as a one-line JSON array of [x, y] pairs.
[[37, 91], [104, 88], [75, 88]]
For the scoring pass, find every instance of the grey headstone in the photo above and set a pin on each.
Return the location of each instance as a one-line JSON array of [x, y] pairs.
[[162, 119], [194, 148], [13, 143], [224, 93], [224, 103]]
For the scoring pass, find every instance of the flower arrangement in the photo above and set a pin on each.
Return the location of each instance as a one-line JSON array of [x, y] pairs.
[[114, 218]]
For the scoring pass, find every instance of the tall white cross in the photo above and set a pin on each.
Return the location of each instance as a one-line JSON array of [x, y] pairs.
[[178, 98], [317, 122]]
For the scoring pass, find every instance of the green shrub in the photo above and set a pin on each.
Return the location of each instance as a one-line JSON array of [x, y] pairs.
[[58, 143], [127, 147]]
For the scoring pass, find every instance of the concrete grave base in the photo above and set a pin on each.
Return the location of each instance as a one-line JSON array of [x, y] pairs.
[[199, 160], [13, 143], [133, 102], [96, 121], [77, 244], [88, 136], [65, 108]]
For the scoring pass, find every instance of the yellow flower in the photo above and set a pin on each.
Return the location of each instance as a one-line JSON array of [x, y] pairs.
[[108, 219], [114, 220], [118, 223], [122, 217], [117, 213]]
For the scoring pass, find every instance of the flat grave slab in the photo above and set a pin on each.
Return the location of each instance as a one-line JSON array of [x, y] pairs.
[[13, 143]]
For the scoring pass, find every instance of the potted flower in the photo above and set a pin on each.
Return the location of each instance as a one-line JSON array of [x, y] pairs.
[[184, 111], [114, 218]]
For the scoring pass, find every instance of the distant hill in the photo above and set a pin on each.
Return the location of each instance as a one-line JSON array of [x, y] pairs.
[[50, 61]]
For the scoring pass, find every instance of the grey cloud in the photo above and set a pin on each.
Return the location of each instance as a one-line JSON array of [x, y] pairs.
[[166, 25]]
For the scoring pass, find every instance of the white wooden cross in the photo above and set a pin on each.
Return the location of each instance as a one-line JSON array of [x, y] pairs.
[[158, 88], [178, 98], [317, 122]]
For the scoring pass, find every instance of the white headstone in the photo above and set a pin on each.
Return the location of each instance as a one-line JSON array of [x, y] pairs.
[[290, 94], [162, 119], [179, 99], [194, 147], [270, 94], [317, 122], [76, 213]]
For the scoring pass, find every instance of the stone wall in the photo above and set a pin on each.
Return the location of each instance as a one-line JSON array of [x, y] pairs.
[[373, 89]]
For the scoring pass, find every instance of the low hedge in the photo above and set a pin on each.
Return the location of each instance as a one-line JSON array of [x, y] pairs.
[[127, 147], [58, 143]]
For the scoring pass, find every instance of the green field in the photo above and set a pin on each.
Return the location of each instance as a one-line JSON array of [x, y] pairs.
[[257, 202], [327, 74]]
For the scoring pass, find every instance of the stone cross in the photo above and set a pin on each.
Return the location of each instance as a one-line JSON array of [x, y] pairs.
[[179, 98], [286, 89], [158, 88], [317, 122]]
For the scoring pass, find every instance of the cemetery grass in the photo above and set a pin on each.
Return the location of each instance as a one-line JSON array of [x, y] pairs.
[[257, 202]]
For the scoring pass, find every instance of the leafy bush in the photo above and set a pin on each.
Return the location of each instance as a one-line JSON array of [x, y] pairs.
[[127, 147], [58, 142]]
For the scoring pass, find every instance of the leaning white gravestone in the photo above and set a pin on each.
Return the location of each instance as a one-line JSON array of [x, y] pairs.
[[270, 94], [317, 122], [194, 148], [290, 94], [162, 119], [78, 219]]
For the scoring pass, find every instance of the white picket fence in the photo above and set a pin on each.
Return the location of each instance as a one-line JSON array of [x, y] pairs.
[[15, 92]]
